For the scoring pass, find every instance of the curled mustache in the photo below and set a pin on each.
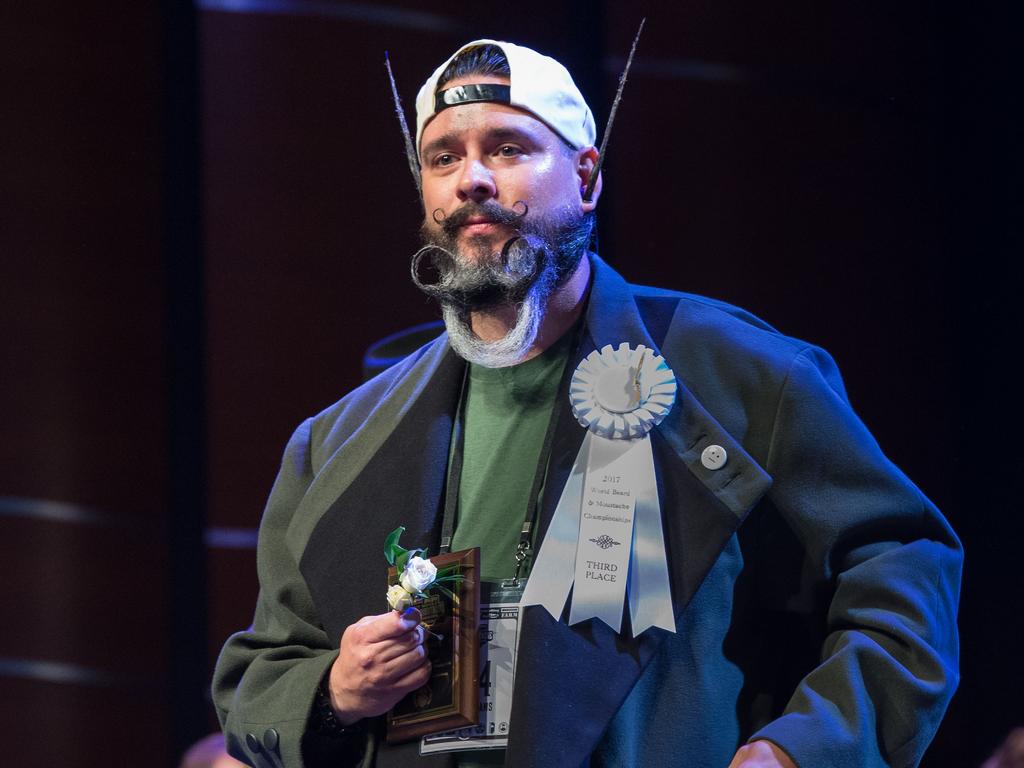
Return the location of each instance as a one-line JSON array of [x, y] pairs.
[[489, 210]]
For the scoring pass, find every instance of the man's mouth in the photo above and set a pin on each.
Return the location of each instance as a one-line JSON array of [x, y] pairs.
[[477, 225]]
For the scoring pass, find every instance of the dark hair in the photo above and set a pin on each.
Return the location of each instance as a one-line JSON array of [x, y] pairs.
[[478, 60]]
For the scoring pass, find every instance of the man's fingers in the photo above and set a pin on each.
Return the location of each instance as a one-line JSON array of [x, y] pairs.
[[389, 625], [401, 645], [761, 754], [414, 678], [391, 671]]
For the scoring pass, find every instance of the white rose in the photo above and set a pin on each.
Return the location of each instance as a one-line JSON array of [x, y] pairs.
[[418, 574], [399, 597]]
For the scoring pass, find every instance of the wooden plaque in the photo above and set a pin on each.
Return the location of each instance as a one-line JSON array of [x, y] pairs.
[[450, 699]]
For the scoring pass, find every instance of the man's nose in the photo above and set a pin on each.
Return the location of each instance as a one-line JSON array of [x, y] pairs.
[[477, 182]]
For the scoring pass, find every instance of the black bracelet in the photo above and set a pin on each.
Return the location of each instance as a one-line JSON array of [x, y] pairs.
[[324, 721]]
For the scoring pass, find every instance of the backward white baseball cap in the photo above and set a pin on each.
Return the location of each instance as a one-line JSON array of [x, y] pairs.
[[539, 85]]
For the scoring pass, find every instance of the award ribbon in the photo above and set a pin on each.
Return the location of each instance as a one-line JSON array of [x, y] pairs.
[[605, 542]]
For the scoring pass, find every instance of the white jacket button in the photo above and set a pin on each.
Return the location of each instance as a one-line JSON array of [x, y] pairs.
[[714, 457]]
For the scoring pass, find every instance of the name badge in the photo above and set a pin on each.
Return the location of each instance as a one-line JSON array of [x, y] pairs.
[[499, 645]]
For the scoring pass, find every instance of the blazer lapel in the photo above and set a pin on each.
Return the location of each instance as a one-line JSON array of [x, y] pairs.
[[401, 484], [570, 681], [701, 507]]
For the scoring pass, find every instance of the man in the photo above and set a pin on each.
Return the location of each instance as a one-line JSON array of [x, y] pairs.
[[813, 587]]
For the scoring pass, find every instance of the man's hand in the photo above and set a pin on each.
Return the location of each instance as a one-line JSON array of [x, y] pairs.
[[382, 658], [761, 754]]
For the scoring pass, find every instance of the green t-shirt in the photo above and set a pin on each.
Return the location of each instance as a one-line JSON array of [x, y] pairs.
[[505, 416]]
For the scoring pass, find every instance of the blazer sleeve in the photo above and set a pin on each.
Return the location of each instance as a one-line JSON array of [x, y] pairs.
[[888, 666], [266, 676]]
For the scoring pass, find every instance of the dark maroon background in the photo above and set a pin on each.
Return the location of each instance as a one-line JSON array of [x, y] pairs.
[[207, 219]]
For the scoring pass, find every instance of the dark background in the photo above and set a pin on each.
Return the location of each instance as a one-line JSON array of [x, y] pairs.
[[207, 218]]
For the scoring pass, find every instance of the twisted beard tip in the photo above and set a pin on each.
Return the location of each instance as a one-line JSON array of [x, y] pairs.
[[441, 262]]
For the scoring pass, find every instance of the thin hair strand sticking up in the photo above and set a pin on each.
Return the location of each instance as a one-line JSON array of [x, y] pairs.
[[588, 193], [410, 150]]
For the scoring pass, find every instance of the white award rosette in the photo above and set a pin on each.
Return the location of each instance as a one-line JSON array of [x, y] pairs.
[[605, 543]]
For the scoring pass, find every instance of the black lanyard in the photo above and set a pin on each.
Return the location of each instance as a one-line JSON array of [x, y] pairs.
[[451, 496]]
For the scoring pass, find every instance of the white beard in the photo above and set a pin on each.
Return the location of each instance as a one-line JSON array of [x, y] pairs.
[[510, 350]]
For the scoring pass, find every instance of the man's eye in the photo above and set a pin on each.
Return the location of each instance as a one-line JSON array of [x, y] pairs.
[[508, 150], [444, 159]]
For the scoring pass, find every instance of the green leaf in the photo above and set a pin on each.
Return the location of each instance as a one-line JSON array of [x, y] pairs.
[[406, 555], [450, 577], [392, 551]]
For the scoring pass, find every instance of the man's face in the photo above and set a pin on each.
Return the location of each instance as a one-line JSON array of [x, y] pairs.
[[493, 153]]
